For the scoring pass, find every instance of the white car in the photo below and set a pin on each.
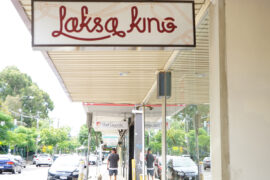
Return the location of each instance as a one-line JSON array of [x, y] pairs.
[[44, 159]]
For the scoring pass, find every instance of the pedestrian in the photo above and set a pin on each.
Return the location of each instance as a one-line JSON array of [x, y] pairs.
[[112, 164], [149, 163]]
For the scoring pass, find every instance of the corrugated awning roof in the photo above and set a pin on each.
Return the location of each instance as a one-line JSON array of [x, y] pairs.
[[128, 76]]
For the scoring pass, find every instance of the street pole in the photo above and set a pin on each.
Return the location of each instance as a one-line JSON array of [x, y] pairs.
[[89, 125], [21, 119], [20, 110], [88, 150], [143, 143], [38, 134], [197, 121], [164, 133]]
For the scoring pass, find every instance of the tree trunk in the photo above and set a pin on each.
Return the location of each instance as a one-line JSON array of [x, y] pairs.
[[27, 153]]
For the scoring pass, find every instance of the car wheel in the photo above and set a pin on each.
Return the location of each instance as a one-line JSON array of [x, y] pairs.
[[36, 165], [13, 171], [1, 172], [20, 171]]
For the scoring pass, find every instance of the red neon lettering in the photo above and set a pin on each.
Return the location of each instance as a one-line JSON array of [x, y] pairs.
[[96, 25], [167, 25]]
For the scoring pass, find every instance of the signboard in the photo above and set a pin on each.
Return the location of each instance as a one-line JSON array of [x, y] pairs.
[[113, 23], [154, 125], [110, 141], [112, 125]]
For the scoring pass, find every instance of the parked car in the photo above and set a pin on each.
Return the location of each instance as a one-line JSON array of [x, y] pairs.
[[9, 164], [93, 160], [182, 168], [55, 156], [65, 167], [186, 155], [158, 166], [206, 163], [21, 161], [34, 158], [44, 159]]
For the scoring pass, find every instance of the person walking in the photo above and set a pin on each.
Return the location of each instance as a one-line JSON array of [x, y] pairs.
[[149, 163], [112, 164]]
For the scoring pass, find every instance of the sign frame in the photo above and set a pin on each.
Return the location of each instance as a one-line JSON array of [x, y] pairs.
[[114, 45]]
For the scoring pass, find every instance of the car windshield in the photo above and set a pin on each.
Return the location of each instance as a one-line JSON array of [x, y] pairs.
[[66, 161], [183, 162]]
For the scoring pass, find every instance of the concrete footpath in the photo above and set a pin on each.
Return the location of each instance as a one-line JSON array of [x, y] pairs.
[[94, 171]]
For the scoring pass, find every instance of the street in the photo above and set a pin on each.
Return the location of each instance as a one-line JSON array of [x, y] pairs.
[[31, 172]]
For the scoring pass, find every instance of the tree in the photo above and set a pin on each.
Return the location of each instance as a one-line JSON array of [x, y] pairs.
[[49, 137], [5, 125], [22, 137], [96, 137], [57, 140], [204, 143], [155, 143], [188, 113], [35, 103], [175, 138]]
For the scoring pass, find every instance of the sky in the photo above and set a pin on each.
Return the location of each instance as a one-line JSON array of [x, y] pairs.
[[16, 49]]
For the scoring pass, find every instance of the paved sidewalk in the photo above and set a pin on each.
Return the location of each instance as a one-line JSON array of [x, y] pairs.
[[94, 171], [102, 170]]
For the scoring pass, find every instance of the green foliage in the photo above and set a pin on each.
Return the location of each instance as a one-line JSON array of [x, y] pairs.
[[188, 114], [22, 137], [96, 137], [155, 142], [12, 81], [5, 126], [181, 134], [204, 143], [59, 139], [19, 92], [175, 137]]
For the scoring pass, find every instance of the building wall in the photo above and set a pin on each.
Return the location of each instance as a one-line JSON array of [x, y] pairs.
[[248, 77]]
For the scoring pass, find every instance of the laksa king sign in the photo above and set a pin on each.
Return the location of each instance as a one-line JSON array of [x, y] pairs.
[[113, 23]]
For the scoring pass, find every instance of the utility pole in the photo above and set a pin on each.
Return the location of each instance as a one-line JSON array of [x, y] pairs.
[[20, 110], [38, 134]]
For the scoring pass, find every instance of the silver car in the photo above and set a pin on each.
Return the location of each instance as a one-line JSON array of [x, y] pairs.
[[21, 161], [44, 159]]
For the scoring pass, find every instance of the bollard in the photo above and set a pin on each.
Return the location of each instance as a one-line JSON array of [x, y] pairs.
[[81, 171], [201, 171], [141, 177]]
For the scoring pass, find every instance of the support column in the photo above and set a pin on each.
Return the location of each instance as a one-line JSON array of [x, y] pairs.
[[163, 140], [218, 93], [139, 143]]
